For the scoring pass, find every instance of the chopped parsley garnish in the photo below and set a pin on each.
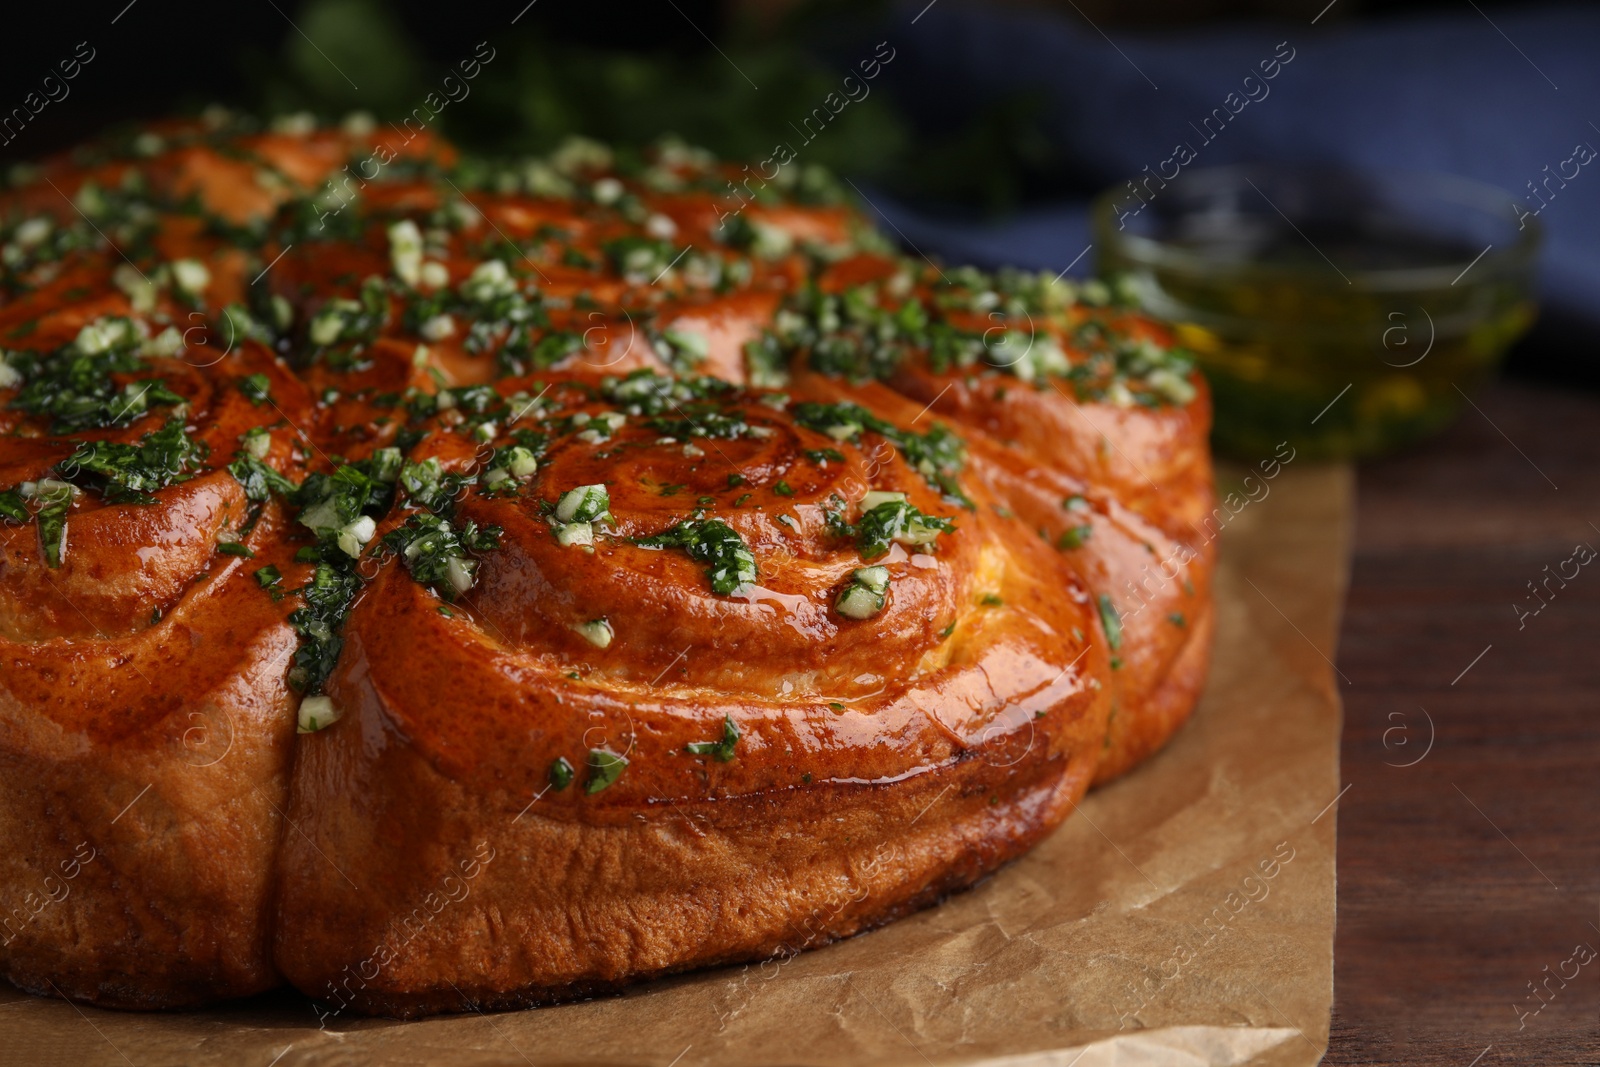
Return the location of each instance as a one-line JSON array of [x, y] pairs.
[[75, 386], [259, 480], [730, 565], [869, 331], [682, 350], [1112, 621], [436, 553], [54, 504], [605, 767], [644, 392], [256, 387], [340, 506], [268, 576], [508, 468], [526, 347], [937, 455], [560, 773], [235, 548], [428, 485], [127, 474], [766, 361], [783, 489], [12, 509], [705, 420], [865, 594], [722, 751], [327, 600], [341, 509], [640, 260], [478, 403], [1074, 536], [354, 322], [850, 334], [586, 503], [890, 521]]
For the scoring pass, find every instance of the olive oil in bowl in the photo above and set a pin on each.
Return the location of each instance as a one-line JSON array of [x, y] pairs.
[[1347, 313]]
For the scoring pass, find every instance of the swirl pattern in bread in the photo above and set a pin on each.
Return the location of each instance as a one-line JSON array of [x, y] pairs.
[[441, 585]]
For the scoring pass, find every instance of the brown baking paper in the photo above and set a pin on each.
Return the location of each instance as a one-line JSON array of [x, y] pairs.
[[1184, 915]]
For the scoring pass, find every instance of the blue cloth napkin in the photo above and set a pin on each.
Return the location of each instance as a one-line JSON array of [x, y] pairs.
[[1497, 100]]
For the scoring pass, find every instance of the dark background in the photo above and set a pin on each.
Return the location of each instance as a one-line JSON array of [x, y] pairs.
[[167, 54]]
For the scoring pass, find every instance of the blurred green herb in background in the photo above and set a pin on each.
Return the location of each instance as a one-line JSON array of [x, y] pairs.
[[537, 91]]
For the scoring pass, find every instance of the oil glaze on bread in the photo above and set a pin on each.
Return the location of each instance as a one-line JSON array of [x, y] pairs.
[[436, 584]]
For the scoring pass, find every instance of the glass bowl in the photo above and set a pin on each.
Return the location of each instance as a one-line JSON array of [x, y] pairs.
[[1346, 312]]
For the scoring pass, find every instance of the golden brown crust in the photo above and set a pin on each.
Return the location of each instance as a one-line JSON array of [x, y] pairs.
[[1154, 569], [521, 899], [144, 780], [540, 909], [845, 745], [758, 759]]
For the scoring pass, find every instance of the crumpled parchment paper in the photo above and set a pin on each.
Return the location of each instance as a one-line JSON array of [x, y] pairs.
[[1184, 915]]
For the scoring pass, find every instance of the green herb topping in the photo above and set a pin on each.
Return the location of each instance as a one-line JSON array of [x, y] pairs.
[[605, 767], [644, 392], [865, 594], [127, 474], [259, 480], [560, 773], [1074, 536], [583, 504], [730, 565], [597, 632], [887, 518], [55, 501], [937, 455], [428, 485], [327, 598], [722, 751], [1111, 620], [76, 387], [436, 553], [12, 509], [257, 387]]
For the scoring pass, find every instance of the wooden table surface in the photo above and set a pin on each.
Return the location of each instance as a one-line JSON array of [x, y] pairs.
[[1475, 871]]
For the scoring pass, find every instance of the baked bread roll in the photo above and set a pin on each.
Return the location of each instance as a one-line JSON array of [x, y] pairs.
[[1081, 420], [441, 585]]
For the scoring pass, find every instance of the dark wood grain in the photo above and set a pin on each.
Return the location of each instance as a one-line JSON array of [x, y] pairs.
[[1463, 877]]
